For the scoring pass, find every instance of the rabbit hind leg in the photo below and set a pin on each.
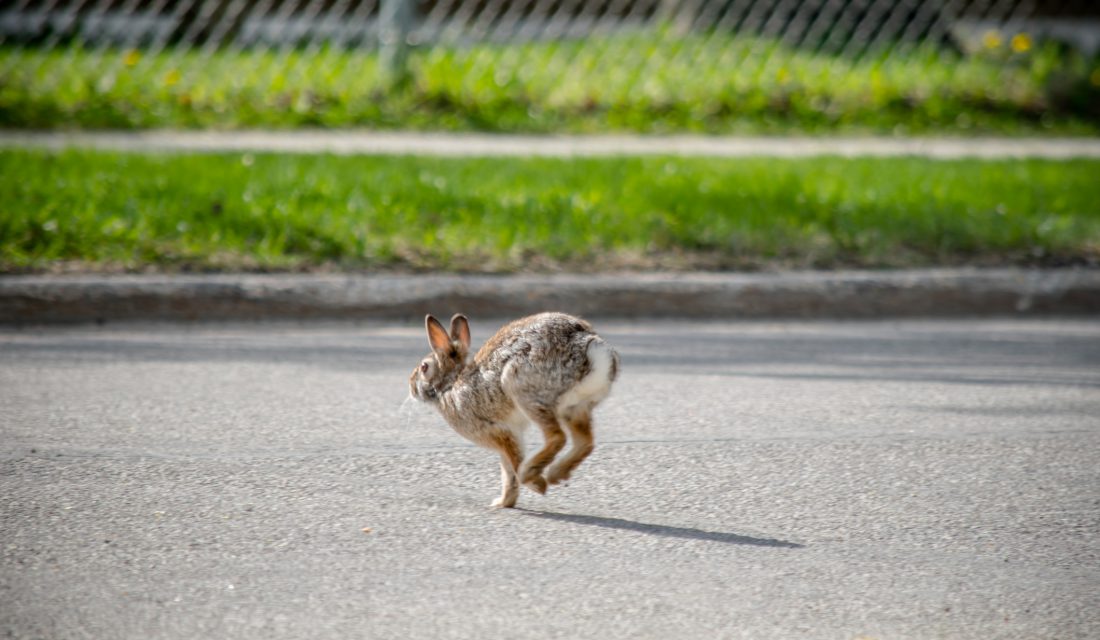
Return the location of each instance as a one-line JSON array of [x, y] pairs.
[[580, 428], [554, 443]]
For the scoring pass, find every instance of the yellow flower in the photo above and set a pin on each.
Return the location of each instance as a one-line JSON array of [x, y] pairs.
[[1021, 42], [783, 75], [131, 57], [992, 39], [171, 78]]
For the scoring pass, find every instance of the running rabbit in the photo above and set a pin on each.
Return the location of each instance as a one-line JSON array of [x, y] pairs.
[[551, 369]]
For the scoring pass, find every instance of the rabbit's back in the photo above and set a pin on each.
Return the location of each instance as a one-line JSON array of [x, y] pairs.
[[543, 335], [541, 358]]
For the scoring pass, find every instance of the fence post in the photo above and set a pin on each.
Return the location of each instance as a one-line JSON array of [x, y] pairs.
[[394, 23]]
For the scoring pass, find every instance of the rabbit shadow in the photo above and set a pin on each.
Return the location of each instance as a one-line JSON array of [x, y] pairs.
[[686, 533]]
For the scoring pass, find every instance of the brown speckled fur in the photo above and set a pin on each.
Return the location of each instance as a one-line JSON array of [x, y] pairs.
[[544, 369]]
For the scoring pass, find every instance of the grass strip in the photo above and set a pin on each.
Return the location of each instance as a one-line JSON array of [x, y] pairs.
[[122, 211], [647, 81]]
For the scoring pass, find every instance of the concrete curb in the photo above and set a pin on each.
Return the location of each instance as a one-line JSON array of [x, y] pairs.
[[847, 294], [348, 142]]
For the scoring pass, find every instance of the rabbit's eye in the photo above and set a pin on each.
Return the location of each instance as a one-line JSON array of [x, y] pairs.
[[423, 367]]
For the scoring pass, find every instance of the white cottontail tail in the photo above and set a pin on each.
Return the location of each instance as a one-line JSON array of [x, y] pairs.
[[551, 369]]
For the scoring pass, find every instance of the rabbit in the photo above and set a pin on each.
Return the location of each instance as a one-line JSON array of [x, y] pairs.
[[550, 368]]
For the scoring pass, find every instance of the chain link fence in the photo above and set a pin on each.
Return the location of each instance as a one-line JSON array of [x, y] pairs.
[[546, 64]]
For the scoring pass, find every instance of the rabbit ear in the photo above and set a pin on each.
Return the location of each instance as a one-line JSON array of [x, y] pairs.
[[460, 329], [437, 335]]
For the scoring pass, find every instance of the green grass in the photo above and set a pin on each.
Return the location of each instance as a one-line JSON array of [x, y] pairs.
[[646, 82], [115, 211]]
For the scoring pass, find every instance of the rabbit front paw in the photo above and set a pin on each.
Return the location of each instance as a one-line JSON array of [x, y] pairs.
[[504, 502]]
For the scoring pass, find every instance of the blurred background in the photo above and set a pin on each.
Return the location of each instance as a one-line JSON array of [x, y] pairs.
[[719, 66], [777, 68]]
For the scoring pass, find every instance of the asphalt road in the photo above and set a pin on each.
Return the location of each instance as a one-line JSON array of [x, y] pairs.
[[751, 480]]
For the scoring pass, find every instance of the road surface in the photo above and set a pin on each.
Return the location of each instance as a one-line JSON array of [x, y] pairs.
[[880, 479]]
